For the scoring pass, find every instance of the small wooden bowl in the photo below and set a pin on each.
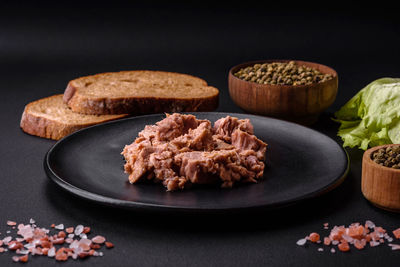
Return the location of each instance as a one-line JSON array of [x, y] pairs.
[[299, 103], [379, 184]]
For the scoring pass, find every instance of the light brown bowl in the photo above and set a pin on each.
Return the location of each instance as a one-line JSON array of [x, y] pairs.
[[379, 184], [299, 103]]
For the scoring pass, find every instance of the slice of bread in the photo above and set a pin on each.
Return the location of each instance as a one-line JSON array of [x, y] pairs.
[[50, 118], [140, 92]]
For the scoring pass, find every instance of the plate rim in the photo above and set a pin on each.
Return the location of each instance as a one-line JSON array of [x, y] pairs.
[[143, 206]]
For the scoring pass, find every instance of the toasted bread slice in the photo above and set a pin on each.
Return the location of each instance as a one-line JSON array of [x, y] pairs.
[[140, 92], [50, 118]]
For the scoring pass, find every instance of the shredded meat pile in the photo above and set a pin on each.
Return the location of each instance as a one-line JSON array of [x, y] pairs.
[[181, 150]]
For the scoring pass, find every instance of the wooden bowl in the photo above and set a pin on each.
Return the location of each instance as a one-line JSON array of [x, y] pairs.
[[379, 184], [298, 103]]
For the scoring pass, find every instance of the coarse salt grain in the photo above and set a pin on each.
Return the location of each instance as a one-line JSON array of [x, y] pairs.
[[59, 226], [396, 233], [301, 242], [320, 249], [31, 221], [109, 245], [11, 223], [23, 251], [313, 237], [98, 239], [369, 224], [333, 250], [24, 258], [78, 229], [7, 239], [374, 243], [395, 246], [52, 252]]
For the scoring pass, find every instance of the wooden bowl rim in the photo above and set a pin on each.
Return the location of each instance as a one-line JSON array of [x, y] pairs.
[[249, 63], [368, 153]]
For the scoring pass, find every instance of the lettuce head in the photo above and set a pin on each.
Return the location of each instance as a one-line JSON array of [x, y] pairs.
[[372, 116]]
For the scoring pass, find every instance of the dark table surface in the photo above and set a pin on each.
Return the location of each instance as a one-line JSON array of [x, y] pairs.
[[41, 49]]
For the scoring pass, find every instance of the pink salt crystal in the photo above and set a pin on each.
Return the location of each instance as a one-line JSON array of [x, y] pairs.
[[20, 226], [369, 224], [335, 242], [51, 252], [78, 229], [347, 238], [7, 239], [1, 243], [11, 223], [59, 227], [374, 243], [320, 249], [84, 236], [22, 251], [15, 258], [31, 221], [26, 231], [84, 246], [19, 239], [69, 240], [395, 246], [86, 241], [29, 245], [98, 239], [71, 236], [333, 250], [74, 244], [300, 242], [1, 250]]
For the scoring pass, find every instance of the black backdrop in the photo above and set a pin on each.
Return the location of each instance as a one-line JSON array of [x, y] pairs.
[[43, 46]]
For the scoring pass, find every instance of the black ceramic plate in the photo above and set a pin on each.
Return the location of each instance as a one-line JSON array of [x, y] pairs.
[[301, 163]]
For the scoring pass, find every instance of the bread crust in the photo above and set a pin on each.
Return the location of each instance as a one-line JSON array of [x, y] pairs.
[[47, 128], [136, 105]]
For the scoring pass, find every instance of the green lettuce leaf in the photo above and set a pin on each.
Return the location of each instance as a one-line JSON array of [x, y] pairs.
[[372, 116]]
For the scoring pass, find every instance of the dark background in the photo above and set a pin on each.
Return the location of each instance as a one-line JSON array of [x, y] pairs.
[[44, 46]]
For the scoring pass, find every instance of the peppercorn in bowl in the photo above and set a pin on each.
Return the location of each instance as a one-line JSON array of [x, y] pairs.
[[292, 90], [380, 180]]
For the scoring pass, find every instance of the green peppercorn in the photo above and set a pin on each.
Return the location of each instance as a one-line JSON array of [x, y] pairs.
[[282, 73]]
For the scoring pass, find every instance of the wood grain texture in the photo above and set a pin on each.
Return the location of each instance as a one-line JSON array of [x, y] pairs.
[[300, 103], [379, 184]]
